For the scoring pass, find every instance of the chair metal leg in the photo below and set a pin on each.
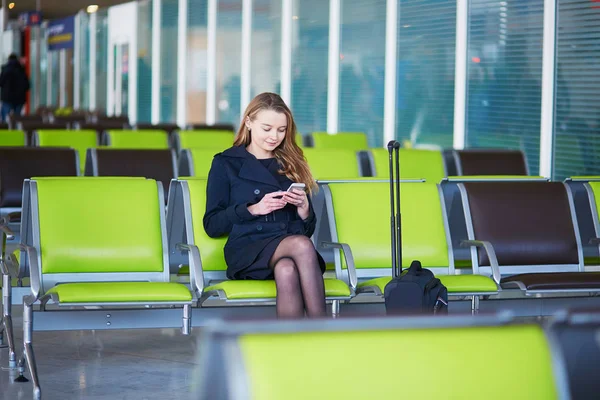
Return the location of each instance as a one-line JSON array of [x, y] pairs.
[[7, 321], [335, 309], [7, 327], [187, 319], [475, 305], [28, 355]]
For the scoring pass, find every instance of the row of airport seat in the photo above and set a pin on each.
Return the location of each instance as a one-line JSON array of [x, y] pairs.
[[17, 164], [515, 251], [491, 357]]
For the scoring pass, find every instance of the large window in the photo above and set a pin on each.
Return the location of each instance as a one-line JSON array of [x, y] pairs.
[[425, 72], [84, 61], [266, 47], [43, 67], [53, 57], [168, 60], [504, 76], [310, 43], [144, 55], [362, 68], [101, 59], [577, 129], [229, 59], [195, 97]]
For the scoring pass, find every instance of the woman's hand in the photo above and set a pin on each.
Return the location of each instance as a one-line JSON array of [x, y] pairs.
[[299, 199], [268, 204]]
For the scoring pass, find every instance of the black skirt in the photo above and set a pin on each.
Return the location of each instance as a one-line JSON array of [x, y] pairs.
[[260, 270]]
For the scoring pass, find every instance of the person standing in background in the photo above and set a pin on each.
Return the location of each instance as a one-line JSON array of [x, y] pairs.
[[15, 85]]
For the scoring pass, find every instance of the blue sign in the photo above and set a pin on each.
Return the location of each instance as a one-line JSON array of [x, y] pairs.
[[61, 34], [31, 18]]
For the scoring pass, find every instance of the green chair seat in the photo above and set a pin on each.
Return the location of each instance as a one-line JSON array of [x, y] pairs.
[[121, 292], [12, 138], [248, 289], [454, 283]]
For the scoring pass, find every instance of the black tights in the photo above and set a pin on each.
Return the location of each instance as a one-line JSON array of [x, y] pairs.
[[298, 278]]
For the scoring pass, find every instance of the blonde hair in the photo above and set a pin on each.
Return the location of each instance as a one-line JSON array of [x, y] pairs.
[[288, 153]]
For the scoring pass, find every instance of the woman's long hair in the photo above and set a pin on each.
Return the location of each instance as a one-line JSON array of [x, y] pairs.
[[288, 153]]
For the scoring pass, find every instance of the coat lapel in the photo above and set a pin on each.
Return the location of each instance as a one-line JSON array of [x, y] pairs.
[[252, 169]]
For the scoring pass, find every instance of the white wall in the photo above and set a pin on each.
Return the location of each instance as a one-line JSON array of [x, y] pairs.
[[122, 29]]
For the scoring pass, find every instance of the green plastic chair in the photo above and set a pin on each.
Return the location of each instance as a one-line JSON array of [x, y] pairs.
[[415, 164], [78, 258], [142, 139], [342, 140], [196, 162], [333, 163], [276, 360], [12, 138], [359, 218], [209, 139], [78, 140], [187, 204]]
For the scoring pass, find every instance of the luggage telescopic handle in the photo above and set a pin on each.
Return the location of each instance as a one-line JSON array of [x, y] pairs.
[[393, 144]]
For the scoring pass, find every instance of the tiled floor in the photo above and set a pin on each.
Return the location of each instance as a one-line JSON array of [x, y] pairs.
[[108, 365]]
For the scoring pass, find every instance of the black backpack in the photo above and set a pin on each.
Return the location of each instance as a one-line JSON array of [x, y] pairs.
[[416, 290]]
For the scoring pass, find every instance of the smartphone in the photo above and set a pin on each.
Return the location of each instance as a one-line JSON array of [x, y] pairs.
[[293, 186]]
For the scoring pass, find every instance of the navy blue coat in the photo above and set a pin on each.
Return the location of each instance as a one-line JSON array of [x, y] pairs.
[[237, 180]]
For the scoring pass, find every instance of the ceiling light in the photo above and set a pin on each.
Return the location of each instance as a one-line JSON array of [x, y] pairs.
[[11, 6], [92, 9]]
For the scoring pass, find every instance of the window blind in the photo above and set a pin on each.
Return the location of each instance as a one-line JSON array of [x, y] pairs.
[[504, 76], [577, 104]]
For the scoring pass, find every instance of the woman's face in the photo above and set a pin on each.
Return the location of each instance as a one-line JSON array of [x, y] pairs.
[[267, 129]]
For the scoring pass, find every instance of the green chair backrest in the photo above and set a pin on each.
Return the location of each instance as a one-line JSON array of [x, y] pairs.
[[202, 161], [362, 220], [78, 140], [341, 140], [595, 187], [211, 250], [142, 139], [332, 163], [425, 164], [12, 138], [282, 365], [100, 225], [210, 139]]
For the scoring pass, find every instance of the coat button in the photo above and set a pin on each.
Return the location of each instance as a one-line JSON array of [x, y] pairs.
[[259, 228], [282, 225], [256, 191]]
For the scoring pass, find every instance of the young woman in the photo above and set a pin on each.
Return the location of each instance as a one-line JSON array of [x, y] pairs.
[[268, 226]]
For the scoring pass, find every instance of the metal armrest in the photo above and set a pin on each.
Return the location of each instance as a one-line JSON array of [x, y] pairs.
[[7, 232], [34, 273], [196, 272], [349, 260], [10, 266], [491, 253]]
